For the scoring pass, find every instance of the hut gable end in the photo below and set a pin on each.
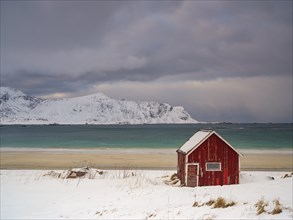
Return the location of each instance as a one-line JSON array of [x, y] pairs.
[[208, 159], [198, 138]]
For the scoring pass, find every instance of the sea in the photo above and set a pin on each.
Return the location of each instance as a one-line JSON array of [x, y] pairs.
[[163, 136]]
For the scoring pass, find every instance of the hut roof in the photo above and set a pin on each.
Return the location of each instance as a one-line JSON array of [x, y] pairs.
[[198, 138]]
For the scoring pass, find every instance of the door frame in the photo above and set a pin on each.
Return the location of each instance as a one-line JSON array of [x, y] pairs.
[[186, 174]]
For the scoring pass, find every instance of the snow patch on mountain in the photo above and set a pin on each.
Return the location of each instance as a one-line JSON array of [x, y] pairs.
[[19, 108]]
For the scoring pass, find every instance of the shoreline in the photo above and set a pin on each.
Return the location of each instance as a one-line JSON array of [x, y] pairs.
[[118, 158], [137, 150]]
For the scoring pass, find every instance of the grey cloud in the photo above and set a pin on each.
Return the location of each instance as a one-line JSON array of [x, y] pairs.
[[37, 84], [222, 39], [256, 99], [72, 46], [51, 25]]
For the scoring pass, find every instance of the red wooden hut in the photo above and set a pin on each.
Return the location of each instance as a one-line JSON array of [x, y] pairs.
[[207, 159]]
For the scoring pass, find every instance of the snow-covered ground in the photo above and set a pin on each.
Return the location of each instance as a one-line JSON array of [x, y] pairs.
[[138, 194]]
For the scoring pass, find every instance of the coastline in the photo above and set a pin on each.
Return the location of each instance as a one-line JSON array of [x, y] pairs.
[[130, 158], [136, 150]]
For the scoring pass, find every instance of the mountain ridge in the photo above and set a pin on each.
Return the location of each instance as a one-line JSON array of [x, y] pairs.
[[18, 108]]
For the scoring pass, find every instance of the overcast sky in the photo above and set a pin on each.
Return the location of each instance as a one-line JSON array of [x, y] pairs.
[[220, 60]]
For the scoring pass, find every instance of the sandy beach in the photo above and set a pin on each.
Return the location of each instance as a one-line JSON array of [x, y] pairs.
[[128, 159]]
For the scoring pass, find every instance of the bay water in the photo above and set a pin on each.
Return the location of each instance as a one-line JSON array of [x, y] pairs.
[[241, 136]]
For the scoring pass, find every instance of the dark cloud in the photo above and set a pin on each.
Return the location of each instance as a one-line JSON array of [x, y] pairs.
[[51, 25], [40, 84], [195, 37], [72, 46]]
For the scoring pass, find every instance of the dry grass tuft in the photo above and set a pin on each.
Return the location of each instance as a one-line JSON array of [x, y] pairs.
[[173, 180], [196, 204], [211, 202], [219, 203], [222, 203], [232, 203], [173, 177], [260, 206], [278, 207], [287, 175], [152, 215]]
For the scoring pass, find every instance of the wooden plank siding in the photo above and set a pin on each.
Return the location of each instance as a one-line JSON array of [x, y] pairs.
[[213, 149], [181, 167]]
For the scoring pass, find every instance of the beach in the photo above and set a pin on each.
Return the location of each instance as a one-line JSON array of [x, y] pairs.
[[137, 184], [129, 159]]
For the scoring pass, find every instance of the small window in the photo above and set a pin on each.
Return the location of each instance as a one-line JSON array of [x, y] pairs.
[[213, 166]]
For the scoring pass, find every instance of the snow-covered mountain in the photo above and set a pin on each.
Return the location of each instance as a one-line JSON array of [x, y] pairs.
[[19, 108]]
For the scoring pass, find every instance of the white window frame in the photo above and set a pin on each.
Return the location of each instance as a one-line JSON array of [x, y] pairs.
[[220, 169], [186, 170]]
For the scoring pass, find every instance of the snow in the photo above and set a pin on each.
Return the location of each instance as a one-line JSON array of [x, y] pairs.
[[198, 138], [13, 92], [18, 108], [137, 194]]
